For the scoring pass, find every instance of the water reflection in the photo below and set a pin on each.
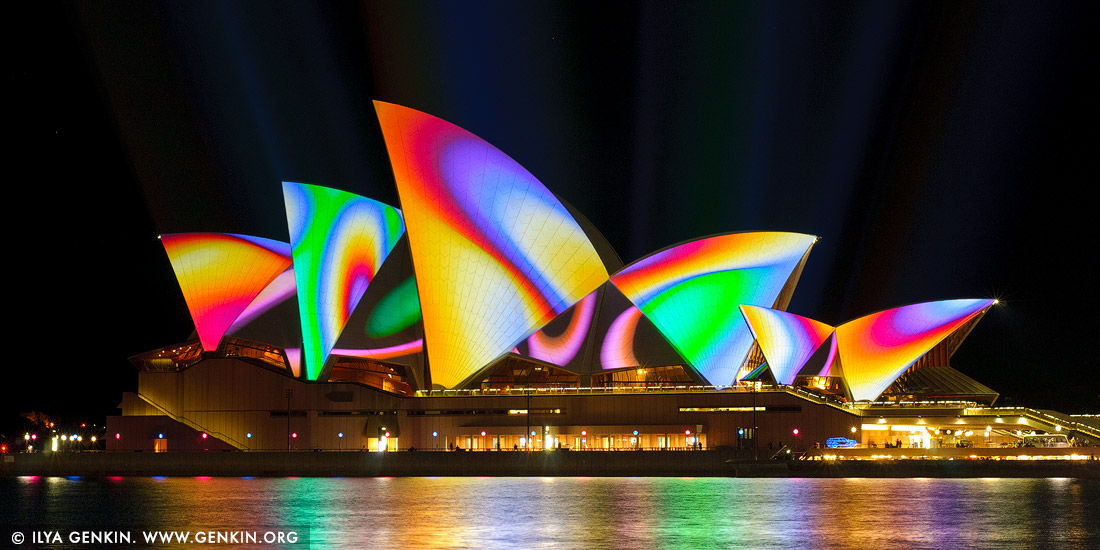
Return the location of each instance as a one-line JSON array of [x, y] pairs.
[[444, 512]]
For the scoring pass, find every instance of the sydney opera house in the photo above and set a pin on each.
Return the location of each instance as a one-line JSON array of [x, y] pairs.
[[487, 314]]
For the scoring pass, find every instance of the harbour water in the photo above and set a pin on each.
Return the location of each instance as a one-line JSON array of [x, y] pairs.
[[561, 512]]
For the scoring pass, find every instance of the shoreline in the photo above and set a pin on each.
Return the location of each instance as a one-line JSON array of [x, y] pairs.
[[709, 463]]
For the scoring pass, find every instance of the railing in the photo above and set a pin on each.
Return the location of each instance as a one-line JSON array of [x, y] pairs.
[[186, 422], [598, 390], [1058, 419]]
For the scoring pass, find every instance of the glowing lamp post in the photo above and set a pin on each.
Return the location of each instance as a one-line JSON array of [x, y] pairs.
[[755, 445], [289, 394], [205, 447]]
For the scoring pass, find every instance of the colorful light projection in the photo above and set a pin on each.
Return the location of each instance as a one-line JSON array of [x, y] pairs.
[[878, 348], [617, 350], [278, 291], [692, 291], [388, 352], [787, 340], [339, 241], [496, 254], [396, 311], [220, 275], [825, 367], [561, 349]]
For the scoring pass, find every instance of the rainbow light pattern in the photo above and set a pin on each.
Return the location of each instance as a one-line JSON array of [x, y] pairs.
[[339, 241], [692, 291], [617, 350], [497, 256], [220, 274], [278, 291], [830, 358], [561, 349], [878, 348], [787, 340]]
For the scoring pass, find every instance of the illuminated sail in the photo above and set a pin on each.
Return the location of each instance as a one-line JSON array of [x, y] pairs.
[[220, 274], [692, 291], [496, 254], [339, 241], [787, 340], [876, 349]]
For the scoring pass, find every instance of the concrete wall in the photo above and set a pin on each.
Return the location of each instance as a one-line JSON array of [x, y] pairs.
[[229, 398]]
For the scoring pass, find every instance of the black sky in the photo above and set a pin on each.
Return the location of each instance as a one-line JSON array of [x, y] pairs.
[[939, 150]]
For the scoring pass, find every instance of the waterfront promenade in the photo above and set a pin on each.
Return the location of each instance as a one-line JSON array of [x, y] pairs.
[[708, 463]]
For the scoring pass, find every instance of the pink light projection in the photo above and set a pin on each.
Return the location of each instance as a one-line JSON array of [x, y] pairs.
[[561, 349], [876, 349], [617, 351], [787, 340], [390, 352], [220, 275]]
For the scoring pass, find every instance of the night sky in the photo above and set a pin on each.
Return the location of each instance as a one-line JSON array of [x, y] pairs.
[[939, 150]]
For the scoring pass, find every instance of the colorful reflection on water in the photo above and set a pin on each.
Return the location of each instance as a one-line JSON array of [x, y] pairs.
[[627, 513]]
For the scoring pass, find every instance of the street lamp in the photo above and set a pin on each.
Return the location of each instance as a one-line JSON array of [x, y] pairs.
[[289, 394], [755, 445]]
